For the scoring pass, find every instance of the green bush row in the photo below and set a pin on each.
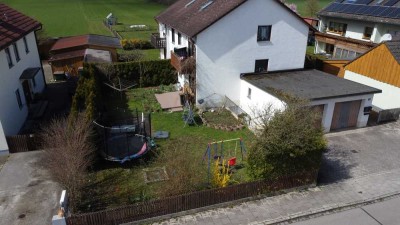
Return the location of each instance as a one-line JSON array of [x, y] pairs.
[[143, 73], [88, 93], [130, 44]]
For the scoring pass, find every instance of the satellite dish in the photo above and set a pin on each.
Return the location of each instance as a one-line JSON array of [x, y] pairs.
[[386, 37]]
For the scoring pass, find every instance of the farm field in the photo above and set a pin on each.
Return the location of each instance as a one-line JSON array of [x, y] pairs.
[[75, 17]]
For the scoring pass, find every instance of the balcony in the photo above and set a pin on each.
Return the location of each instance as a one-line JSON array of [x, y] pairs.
[[177, 58], [157, 41]]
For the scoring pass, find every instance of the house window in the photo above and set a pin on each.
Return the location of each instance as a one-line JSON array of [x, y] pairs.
[[17, 58], [18, 95], [339, 28], [249, 93], [261, 66], [26, 45], [179, 38], [264, 33], [8, 55], [368, 32], [173, 35], [34, 82], [345, 54]]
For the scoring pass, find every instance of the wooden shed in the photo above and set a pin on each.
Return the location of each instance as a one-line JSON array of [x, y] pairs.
[[69, 53]]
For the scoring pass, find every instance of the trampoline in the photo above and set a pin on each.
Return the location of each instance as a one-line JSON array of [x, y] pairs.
[[125, 142]]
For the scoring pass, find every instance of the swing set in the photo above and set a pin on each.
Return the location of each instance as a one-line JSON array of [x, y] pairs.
[[218, 148]]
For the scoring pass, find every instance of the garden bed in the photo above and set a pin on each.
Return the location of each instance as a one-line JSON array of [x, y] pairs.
[[221, 119]]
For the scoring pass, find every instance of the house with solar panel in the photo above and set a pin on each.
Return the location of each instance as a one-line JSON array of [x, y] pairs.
[[21, 74], [250, 54], [349, 28]]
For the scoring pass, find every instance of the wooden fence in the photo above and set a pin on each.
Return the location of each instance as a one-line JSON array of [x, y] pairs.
[[22, 143], [190, 201]]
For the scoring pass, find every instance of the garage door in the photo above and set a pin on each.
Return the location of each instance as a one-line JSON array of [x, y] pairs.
[[345, 114]]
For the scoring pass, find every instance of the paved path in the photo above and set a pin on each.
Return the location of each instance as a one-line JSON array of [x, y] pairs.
[[386, 213], [362, 166], [27, 196]]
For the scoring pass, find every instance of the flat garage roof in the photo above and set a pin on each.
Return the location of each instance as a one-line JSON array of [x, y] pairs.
[[307, 84]]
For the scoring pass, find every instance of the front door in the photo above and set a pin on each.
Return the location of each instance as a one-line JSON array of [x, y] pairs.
[[27, 91]]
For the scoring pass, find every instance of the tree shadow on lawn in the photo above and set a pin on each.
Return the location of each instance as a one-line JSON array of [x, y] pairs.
[[337, 164]]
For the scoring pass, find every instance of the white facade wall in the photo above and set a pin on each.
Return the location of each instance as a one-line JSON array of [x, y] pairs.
[[229, 47], [329, 106], [355, 28], [388, 99], [11, 116], [255, 104], [166, 31], [3, 142]]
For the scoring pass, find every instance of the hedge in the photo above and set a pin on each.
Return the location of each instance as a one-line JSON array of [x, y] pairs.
[[88, 93], [145, 73], [130, 44]]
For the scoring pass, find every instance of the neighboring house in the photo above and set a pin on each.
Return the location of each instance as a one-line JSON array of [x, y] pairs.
[[349, 28], [69, 53], [21, 74], [263, 38], [379, 68]]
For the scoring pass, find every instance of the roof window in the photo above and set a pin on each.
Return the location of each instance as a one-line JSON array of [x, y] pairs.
[[206, 5], [191, 2]]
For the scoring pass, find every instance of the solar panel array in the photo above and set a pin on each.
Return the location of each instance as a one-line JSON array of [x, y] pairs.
[[387, 10]]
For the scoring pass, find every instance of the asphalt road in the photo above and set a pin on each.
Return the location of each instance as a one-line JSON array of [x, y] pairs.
[[382, 213]]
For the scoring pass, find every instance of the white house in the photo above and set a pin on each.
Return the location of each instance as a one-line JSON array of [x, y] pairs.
[[349, 28], [21, 74], [382, 74], [230, 38]]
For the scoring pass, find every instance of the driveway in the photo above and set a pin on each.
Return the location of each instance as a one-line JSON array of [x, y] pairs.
[[357, 153], [27, 195]]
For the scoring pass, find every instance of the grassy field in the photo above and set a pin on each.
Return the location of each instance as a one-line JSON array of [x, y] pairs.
[[302, 7], [74, 17]]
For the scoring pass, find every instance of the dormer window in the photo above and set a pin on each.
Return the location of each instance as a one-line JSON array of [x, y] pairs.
[[264, 33]]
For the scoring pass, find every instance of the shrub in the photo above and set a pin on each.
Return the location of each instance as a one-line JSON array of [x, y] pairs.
[[69, 152], [130, 44], [88, 93], [143, 73], [289, 143]]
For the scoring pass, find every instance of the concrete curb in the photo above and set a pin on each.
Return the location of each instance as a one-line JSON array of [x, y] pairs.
[[313, 213]]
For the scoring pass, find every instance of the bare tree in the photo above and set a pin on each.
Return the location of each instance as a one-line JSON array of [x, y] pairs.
[[69, 152], [312, 7]]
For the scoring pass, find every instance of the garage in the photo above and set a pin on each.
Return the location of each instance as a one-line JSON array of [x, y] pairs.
[[345, 114]]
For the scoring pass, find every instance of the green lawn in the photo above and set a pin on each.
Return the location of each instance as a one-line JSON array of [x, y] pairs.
[[112, 185], [301, 5], [74, 17]]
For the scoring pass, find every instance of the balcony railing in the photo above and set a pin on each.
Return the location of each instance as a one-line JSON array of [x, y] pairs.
[[157, 41]]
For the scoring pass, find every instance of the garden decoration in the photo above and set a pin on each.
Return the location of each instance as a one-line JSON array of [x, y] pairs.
[[218, 148], [126, 140], [188, 115]]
